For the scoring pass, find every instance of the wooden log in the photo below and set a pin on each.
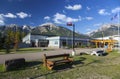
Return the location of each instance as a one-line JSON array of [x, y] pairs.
[[14, 64]]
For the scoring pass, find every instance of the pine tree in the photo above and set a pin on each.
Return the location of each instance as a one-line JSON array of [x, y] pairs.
[[8, 41]]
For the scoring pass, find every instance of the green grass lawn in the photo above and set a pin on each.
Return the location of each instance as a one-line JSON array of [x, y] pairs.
[[25, 50], [83, 67]]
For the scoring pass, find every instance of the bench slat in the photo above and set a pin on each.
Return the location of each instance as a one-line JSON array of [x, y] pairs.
[[57, 56], [61, 61]]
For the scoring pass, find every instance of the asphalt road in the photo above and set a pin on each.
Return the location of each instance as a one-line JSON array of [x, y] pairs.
[[39, 55]]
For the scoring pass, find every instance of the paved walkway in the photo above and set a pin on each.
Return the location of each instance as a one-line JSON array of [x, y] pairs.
[[39, 55]]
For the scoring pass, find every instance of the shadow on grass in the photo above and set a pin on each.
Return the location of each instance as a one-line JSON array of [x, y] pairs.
[[80, 61], [83, 53], [104, 54], [69, 65], [63, 67], [33, 63]]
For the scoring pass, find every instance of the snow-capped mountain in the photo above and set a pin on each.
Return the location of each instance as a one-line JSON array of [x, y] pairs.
[[43, 29], [52, 29], [106, 30], [15, 27]]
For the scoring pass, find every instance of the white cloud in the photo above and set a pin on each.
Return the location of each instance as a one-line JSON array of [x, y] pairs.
[[88, 8], [20, 15], [80, 18], [88, 29], [85, 18], [69, 19], [58, 18], [61, 19], [115, 10], [10, 15], [2, 20], [98, 24], [23, 15], [64, 11], [88, 18], [103, 12], [1, 17], [47, 18], [74, 7]]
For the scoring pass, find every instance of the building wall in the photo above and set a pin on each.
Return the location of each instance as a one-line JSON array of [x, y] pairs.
[[54, 42], [60, 42], [34, 37], [57, 41], [27, 39]]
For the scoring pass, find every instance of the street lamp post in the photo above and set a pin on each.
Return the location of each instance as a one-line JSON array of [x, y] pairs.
[[73, 41], [73, 37]]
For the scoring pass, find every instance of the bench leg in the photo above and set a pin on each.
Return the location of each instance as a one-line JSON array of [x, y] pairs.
[[49, 67]]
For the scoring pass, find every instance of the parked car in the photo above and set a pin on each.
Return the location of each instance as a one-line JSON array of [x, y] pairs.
[[97, 53]]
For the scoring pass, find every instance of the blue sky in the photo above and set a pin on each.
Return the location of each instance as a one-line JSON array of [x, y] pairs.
[[87, 15]]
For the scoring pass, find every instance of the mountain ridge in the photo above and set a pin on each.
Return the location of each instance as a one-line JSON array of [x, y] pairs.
[[105, 30], [43, 29], [52, 29]]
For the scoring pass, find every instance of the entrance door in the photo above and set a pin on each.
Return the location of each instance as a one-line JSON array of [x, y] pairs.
[[64, 43]]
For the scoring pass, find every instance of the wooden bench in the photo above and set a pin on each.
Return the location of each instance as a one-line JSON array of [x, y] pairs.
[[53, 60]]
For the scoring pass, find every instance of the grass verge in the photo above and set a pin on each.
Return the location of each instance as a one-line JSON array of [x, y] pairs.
[[2, 68]]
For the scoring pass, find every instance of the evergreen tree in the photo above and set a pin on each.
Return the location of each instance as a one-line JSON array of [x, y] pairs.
[[8, 41]]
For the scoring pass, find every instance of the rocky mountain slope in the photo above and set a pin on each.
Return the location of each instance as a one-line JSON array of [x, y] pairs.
[[44, 29], [51, 29], [105, 30]]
